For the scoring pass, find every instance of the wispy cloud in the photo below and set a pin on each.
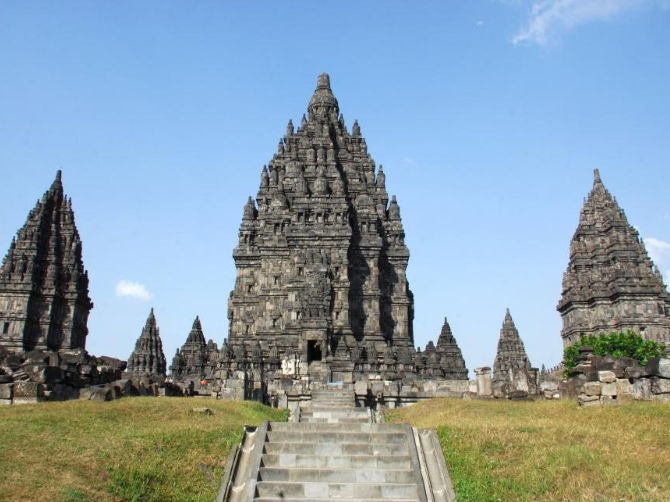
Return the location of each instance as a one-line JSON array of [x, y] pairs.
[[659, 252], [549, 18], [133, 289]]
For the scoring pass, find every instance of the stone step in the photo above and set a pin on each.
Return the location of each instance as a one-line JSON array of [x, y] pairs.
[[316, 436], [290, 460], [363, 427], [311, 499], [312, 490], [335, 420], [337, 475], [335, 448]]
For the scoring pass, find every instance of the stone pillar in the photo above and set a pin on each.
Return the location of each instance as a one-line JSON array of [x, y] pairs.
[[483, 376]]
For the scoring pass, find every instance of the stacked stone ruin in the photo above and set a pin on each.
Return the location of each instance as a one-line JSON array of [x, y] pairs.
[[610, 283]]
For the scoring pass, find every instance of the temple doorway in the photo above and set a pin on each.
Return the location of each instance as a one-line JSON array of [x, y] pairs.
[[313, 351]]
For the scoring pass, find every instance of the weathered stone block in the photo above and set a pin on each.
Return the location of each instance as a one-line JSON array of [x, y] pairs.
[[608, 400], [361, 387], [609, 389], [659, 366], [623, 387], [584, 400], [28, 390], [660, 385], [6, 390], [606, 376], [592, 388], [641, 389], [102, 394]]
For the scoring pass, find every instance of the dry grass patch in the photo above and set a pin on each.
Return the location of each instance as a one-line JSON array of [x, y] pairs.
[[135, 449], [550, 450]]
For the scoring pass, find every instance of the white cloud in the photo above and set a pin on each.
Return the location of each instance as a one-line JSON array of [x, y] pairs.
[[549, 18], [133, 290], [659, 252], [479, 23]]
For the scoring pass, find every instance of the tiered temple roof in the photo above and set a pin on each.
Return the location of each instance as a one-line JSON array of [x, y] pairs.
[[148, 357], [610, 282], [44, 302]]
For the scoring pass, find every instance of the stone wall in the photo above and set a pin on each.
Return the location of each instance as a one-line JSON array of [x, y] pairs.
[[605, 380]]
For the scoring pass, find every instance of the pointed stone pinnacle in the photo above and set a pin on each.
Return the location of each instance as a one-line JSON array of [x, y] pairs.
[[596, 177]]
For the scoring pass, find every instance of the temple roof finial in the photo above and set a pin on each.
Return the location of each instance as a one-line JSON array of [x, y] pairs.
[[596, 177], [323, 82]]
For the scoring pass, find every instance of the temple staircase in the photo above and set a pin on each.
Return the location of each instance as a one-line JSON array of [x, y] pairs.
[[335, 452]]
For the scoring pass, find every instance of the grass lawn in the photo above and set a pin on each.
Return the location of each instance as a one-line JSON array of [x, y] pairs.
[[132, 449], [550, 450]]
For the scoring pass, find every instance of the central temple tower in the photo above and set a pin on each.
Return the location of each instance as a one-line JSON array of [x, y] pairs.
[[321, 258]]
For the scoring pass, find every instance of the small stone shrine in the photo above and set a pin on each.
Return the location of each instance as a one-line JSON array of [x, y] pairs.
[[148, 357], [513, 376], [610, 283], [196, 359], [44, 302]]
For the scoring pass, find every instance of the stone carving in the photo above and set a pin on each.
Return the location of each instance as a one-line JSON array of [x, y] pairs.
[[44, 302], [512, 373], [148, 357], [610, 283]]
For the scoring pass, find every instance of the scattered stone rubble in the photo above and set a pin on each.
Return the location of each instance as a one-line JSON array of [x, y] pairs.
[[597, 380]]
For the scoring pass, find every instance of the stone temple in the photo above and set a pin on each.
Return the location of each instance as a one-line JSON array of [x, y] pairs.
[[610, 283], [148, 357], [321, 292], [44, 302], [512, 372]]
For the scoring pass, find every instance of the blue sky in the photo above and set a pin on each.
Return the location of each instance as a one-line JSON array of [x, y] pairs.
[[488, 117]]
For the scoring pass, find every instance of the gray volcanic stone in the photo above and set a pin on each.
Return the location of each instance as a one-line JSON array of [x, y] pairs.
[[44, 300], [148, 357], [610, 283]]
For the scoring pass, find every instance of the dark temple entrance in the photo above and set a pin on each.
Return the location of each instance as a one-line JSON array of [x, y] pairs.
[[313, 351]]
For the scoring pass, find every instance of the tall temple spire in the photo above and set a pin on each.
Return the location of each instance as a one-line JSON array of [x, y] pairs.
[[148, 357], [44, 302], [321, 266], [610, 282]]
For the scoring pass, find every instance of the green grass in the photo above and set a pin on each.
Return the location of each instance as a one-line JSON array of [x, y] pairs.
[[135, 449], [550, 450]]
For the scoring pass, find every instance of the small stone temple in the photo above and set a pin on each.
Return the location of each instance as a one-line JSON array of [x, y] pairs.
[[321, 293], [512, 372], [148, 357], [44, 302], [197, 359], [610, 283]]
